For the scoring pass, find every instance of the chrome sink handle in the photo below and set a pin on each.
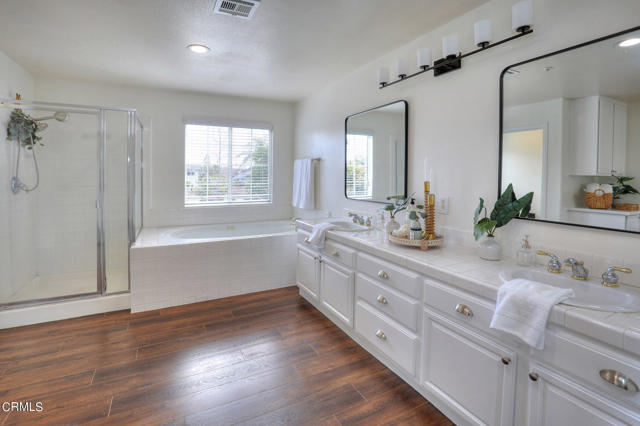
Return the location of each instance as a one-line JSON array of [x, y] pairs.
[[554, 266], [610, 278], [579, 272]]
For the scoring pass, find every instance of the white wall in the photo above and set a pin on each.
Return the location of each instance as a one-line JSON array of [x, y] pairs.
[[17, 266], [163, 112], [454, 118]]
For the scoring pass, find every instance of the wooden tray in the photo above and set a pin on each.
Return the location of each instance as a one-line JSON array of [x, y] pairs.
[[423, 244], [628, 207]]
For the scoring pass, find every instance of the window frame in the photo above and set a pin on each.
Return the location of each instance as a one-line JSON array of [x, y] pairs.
[[230, 123], [369, 135]]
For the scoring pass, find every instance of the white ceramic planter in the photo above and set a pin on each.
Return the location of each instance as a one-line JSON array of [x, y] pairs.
[[490, 249]]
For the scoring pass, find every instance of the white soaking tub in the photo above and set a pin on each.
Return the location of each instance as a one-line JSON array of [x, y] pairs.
[[186, 264]]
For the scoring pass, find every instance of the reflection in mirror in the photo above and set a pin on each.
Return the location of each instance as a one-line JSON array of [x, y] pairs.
[[571, 132], [375, 153]]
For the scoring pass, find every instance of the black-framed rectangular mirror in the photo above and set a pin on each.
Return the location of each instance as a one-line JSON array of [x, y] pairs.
[[375, 150], [570, 132]]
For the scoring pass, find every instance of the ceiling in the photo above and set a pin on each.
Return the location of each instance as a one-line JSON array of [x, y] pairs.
[[288, 50], [602, 68]]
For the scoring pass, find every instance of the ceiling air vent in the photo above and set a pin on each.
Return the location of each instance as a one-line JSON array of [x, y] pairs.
[[240, 8]]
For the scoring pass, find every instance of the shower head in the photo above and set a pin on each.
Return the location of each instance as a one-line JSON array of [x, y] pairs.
[[58, 115]]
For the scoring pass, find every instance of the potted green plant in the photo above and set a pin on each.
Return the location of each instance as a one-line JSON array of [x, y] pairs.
[[621, 187], [398, 204], [506, 208]]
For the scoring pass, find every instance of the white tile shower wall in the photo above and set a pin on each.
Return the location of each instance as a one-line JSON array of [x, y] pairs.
[[17, 266], [163, 112], [453, 119], [179, 274]]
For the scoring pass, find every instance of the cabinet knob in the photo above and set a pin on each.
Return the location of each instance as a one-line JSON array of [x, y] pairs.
[[380, 335], [382, 299], [306, 240], [506, 360], [619, 380], [335, 253], [382, 274], [464, 310], [534, 377]]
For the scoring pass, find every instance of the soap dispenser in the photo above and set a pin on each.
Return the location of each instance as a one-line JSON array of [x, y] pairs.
[[415, 229], [525, 255]]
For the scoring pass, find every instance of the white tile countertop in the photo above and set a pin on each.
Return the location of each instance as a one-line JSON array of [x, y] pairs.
[[461, 267]]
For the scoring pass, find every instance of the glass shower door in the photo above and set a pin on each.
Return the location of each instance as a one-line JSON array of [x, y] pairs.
[[49, 234]]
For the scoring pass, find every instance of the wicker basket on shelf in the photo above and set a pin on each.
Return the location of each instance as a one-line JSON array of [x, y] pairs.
[[598, 199]]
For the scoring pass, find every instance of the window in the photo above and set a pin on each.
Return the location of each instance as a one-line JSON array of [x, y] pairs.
[[359, 166], [227, 164]]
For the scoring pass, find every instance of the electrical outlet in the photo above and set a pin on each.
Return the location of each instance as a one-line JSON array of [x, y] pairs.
[[442, 205]]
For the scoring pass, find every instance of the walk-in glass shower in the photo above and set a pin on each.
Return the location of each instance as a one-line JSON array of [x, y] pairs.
[[70, 200]]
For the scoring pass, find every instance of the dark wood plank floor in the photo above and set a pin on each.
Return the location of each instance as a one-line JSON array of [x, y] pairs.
[[262, 358]]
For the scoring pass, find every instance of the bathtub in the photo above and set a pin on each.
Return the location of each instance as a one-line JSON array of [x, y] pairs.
[[185, 264]]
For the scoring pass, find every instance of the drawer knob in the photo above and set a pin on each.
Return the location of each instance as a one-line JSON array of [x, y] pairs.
[[506, 360], [335, 253], [620, 380], [380, 335], [382, 274], [533, 377], [464, 310], [382, 299], [306, 240]]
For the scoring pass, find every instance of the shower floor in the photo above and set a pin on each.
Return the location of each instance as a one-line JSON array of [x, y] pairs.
[[68, 285]]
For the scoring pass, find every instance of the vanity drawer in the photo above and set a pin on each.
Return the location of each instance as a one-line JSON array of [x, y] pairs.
[[459, 305], [398, 344], [585, 360], [391, 302], [390, 274], [339, 253]]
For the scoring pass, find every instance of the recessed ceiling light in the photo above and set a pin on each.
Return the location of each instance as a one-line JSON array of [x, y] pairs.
[[629, 42], [198, 48]]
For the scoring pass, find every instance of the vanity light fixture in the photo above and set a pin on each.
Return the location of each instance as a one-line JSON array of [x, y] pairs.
[[630, 42], [383, 76], [521, 23], [198, 48]]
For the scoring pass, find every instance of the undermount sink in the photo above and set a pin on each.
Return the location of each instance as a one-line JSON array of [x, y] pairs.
[[588, 294], [348, 225]]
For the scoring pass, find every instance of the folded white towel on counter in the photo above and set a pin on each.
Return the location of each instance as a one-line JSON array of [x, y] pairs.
[[318, 234], [304, 184], [523, 308]]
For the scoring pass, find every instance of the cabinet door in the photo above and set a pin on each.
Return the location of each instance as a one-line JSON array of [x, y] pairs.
[[474, 374], [337, 290], [554, 399], [605, 137], [307, 272], [619, 139]]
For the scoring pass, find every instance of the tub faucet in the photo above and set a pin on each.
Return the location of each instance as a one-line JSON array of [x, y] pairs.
[[579, 272]]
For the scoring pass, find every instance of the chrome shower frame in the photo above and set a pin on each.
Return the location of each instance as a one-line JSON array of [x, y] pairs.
[[133, 120]]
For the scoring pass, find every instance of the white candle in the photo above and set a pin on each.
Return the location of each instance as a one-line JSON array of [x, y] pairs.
[[450, 45], [427, 170]]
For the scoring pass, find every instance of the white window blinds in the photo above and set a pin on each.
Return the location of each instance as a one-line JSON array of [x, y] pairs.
[[359, 166], [227, 164]]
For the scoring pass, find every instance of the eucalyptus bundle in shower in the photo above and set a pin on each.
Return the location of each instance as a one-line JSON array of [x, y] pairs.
[[24, 129]]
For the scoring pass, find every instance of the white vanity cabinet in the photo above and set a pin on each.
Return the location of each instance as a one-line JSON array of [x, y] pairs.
[[436, 337], [307, 272], [469, 371], [598, 136], [336, 290], [555, 399]]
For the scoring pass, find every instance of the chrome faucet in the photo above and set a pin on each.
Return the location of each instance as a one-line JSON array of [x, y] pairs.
[[610, 278], [356, 218], [579, 272], [554, 266]]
